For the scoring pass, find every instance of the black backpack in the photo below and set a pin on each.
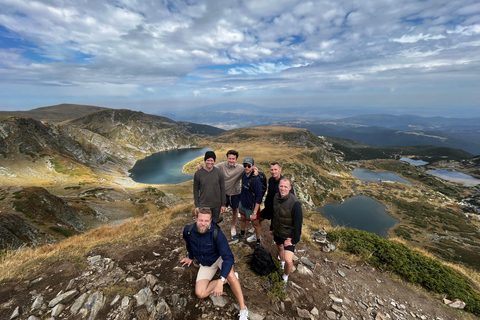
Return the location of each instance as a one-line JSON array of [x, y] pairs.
[[264, 180], [262, 262]]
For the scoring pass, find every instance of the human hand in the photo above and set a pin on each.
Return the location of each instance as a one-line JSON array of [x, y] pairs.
[[218, 289], [186, 261], [288, 242], [199, 165], [253, 217], [223, 209], [270, 233]]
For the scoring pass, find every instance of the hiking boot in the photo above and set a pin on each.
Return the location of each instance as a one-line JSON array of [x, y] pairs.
[[243, 315], [239, 236], [252, 238]]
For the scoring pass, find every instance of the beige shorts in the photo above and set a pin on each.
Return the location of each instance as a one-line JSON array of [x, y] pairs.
[[207, 273]]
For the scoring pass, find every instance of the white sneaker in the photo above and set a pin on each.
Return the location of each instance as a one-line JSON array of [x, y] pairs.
[[243, 315], [252, 238], [233, 232]]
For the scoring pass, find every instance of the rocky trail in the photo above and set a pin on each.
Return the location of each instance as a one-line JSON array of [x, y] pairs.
[[146, 281]]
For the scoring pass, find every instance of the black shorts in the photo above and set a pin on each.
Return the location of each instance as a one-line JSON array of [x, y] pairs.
[[281, 240], [266, 214], [233, 201]]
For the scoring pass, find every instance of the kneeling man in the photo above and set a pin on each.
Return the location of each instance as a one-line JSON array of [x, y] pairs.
[[213, 253]]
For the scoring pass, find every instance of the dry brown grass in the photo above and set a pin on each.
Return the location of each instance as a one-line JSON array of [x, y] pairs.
[[26, 262]]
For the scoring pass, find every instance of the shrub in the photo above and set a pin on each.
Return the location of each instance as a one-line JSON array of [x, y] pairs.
[[411, 266]]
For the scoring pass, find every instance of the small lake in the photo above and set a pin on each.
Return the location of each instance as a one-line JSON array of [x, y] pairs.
[[454, 176], [371, 176], [362, 213], [165, 167], [416, 163]]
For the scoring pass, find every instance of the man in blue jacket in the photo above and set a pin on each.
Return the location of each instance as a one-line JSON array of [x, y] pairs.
[[213, 253], [250, 200]]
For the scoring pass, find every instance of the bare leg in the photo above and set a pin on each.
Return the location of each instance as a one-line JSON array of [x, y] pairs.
[[234, 218], [236, 288], [288, 255], [203, 288], [258, 228], [281, 252], [243, 223]]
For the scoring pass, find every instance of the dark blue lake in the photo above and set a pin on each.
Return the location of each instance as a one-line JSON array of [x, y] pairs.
[[372, 176], [165, 167], [362, 213]]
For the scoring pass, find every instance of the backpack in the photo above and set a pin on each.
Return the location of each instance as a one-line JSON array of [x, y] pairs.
[[262, 262], [215, 231], [263, 178]]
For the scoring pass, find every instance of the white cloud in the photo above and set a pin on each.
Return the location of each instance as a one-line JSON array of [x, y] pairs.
[[129, 47]]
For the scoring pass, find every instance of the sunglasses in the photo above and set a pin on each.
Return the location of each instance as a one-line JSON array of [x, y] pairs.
[[246, 165]]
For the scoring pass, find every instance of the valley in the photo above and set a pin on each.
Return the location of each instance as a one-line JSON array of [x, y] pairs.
[[66, 179]]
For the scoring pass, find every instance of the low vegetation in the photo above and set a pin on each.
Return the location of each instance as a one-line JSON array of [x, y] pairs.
[[408, 264]]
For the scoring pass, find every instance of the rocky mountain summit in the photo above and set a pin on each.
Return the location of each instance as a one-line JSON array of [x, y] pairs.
[[146, 281]]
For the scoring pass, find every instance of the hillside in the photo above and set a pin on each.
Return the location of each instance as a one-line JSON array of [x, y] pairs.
[[54, 114], [431, 220]]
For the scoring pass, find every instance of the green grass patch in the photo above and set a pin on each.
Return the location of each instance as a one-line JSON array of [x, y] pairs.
[[408, 264], [64, 232]]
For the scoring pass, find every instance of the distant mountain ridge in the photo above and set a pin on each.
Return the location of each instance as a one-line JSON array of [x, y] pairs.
[[388, 130]]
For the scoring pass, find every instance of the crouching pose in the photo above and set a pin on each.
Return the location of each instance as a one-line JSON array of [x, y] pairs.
[[206, 242]]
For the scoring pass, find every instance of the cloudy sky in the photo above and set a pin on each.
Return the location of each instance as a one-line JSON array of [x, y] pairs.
[[148, 55]]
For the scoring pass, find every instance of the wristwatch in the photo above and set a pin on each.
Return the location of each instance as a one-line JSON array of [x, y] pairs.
[[222, 278]]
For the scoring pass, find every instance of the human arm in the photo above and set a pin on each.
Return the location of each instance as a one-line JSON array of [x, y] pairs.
[[186, 237], [186, 261], [196, 191], [297, 216]]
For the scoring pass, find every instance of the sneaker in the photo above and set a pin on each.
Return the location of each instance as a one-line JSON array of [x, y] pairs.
[[258, 244], [284, 286], [252, 238], [233, 232], [243, 315], [239, 236]]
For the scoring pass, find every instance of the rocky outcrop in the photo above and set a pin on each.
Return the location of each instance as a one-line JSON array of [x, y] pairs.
[[15, 232], [148, 282]]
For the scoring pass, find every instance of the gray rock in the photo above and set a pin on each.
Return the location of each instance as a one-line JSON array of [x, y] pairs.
[[115, 300], [151, 280], [78, 304], [335, 299], [315, 312], [302, 313], [304, 270], [37, 304], [93, 305], [337, 308], [125, 302], [340, 272], [33, 318], [219, 301], [63, 298], [307, 262], [94, 259], [145, 297], [15, 313], [58, 309], [161, 311], [331, 315]]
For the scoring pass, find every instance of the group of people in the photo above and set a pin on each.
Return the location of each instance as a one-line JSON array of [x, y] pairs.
[[217, 186]]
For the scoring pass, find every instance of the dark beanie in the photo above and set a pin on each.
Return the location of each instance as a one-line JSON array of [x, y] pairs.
[[210, 154]]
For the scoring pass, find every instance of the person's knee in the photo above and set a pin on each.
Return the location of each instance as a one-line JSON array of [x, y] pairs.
[[200, 294]]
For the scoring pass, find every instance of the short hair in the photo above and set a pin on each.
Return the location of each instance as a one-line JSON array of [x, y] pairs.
[[234, 152], [286, 179], [275, 163], [205, 210]]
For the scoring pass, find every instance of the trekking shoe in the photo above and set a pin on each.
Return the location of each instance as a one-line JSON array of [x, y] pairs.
[[252, 238], [243, 315], [239, 236], [258, 244]]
